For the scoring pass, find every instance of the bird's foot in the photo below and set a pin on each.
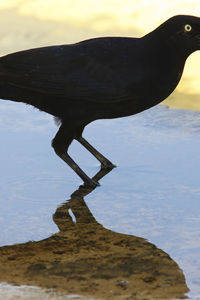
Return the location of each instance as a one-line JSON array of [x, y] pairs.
[[107, 165], [90, 183]]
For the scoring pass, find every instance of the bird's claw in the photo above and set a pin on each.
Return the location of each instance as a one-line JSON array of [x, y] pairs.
[[91, 184], [107, 165]]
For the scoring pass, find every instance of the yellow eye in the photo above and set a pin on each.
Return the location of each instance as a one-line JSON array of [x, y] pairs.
[[188, 27]]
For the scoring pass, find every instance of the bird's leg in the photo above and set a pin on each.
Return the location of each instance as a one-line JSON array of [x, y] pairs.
[[87, 180], [60, 144], [105, 163]]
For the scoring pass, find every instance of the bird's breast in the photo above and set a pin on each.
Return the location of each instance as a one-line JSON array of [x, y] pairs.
[[140, 97]]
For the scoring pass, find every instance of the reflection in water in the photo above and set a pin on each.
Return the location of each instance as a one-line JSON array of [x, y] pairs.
[[86, 258]]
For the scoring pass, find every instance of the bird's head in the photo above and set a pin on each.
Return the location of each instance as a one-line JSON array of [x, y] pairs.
[[182, 31]]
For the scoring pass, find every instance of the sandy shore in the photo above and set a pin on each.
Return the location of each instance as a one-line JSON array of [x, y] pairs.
[[183, 101]]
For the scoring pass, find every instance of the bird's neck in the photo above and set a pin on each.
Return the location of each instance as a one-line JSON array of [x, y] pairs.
[[165, 53], [162, 41], [164, 67]]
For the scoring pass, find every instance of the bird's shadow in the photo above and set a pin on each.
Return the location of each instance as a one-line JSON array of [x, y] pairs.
[[86, 258]]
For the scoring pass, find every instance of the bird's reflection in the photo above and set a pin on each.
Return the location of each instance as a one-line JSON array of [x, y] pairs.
[[86, 258]]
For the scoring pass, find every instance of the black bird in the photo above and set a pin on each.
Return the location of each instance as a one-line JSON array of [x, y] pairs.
[[100, 78]]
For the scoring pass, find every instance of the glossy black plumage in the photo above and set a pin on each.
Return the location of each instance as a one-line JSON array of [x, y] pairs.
[[99, 78]]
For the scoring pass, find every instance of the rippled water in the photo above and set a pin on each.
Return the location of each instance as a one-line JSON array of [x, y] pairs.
[[154, 192]]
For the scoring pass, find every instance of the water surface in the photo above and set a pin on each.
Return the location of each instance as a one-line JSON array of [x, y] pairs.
[[153, 193]]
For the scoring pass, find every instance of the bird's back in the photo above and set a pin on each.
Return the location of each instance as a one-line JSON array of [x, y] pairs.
[[107, 71], [94, 69]]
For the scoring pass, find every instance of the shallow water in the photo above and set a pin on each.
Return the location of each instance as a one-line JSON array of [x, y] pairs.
[[153, 193]]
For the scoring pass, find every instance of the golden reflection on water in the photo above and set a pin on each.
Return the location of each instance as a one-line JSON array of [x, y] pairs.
[[86, 258]]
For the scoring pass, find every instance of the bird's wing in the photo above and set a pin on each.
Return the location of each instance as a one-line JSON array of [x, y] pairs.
[[62, 71]]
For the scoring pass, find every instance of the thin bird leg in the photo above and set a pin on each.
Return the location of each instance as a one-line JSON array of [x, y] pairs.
[[60, 143], [105, 163], [87, 180]]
